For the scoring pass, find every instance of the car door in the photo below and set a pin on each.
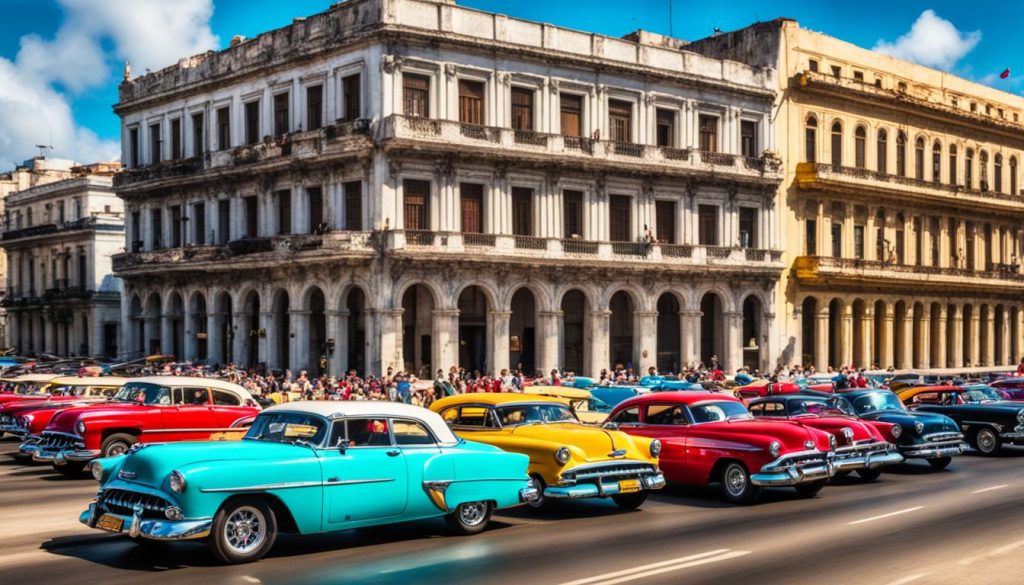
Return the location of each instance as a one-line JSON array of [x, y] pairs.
[[418, 445], [365, 473], [668, 422], [189, 417], [227, 408]]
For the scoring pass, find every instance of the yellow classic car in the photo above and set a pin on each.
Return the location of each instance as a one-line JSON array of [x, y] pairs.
[[581, 401], [568, 459]]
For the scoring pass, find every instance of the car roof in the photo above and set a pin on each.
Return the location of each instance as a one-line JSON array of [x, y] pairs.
[[683, 397], [31, 378], [493, 398], [194, 381], [558, 392], [371, 408], [89, 381]]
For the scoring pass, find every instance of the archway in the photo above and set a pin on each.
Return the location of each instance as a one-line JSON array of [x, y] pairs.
[[176, 320], [251, 330], [952, 351], [356, 306], [197, 327], [281, 319], [669, 334], [317, 333], [620, 329], [984, 336], [859, 359], [752, 319], [417, 328], [712, 348], [152, 326], [835, 333], [917, 348], [574, 312], [522, 330], [809, 312], [138, 327], [937, 360], [881, 343], [998, 358], [226, 327], [968, 339], [473, 311], [900, 336]]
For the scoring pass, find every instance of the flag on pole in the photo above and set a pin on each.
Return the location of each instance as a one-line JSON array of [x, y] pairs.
[[1005, 73]]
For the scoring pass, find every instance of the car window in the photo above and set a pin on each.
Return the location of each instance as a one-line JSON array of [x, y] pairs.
[[666, 414], [926, 398], [627, 416], [718, 411], [144, 393], [523, 414], [191, 396], [368, 432], [469, 417], [412, 433], [225, 398], [286, 427]]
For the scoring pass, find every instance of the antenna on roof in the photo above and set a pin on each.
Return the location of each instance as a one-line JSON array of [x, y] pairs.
[[42, 149]]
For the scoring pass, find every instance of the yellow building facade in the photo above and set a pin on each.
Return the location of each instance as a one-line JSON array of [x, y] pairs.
[[900, 212]]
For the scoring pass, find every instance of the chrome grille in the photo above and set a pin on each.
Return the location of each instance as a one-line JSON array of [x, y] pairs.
[[613, 471], [53, 441], [943, 437], [123, 502], [6, 419]]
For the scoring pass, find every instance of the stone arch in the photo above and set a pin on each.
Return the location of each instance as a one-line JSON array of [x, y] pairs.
[[576, 307], [250, 329], [859, 337], [522, 334], [882, 341], [314, 306], [137, 322], [636, 296], [224, 319], [279, 331], [835, 333], [175, 313], [712, 339], [418, 302], [968, 338], [936, 357], [621, 322], [197, 335], [808, 330], [918, 351], [475, 303], [900, 335], [356, 306], [669, 334], [488, 289], [984, 335], [541, 294], [754, 332], [725, 295]]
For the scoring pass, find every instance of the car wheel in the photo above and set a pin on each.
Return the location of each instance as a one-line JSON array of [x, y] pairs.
[[541, 501], [810, 489], [70, 470], [986, 441], [868, 474], [737, 486], [469, 517], [243, 531], [940, 462], [117, 444], [630, 501]]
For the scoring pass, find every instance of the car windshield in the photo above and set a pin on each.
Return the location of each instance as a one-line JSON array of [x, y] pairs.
[[877, 401], [287, 427], [718, 411], [525, 414], [27, 388], [144, 393], [612, 396], [595, 404], [813, 406], [980, 394], [1013, 393]]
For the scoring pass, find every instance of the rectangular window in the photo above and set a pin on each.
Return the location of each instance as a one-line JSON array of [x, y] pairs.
[[281, 122], [522, 108], [708, 126], [354, 205], [748, 227], [154, 144], [199, 224], [858, 76], [351, 93], [837, 240], [522, 211], [471, 102], [837, 71], [223, 221], [416, 203], [571, 108], [858, 242], [936, 165], [416, 95], [224, 128], [810, 144], [136, 232], [176, 139], [471, 199], [284, 212], [935, 240], [620, 120], [315, 201], [748, 138], [252, 122], [251, 204], [665, 221], [176, 226], [707, 225], [812, 64], [969, 236], [952, 166], [314, 107], [901, 253], [811, 237], [157, 220], [198, 135], [619, 208], [133, 148], [666, 127], [572, 214]]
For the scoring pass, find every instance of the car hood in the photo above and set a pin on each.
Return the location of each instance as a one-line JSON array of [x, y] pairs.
[[791, 435], [65, 420], [933, 422], [835, 425], [596, 442]]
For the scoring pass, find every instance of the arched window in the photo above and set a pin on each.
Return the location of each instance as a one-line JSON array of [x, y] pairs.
[[901, 153], [919, 159], [936, 162], [837, 144], [969, 169], [811, 139], [983, 169], [952, 164], [883, 151], [997, 176], [860, 140], [1013, 175]]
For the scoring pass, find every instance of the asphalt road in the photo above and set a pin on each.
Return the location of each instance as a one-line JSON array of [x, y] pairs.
[[962, 525]]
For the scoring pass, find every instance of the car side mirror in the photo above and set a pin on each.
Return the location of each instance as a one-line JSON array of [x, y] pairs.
[[342, 446], [612, 426]]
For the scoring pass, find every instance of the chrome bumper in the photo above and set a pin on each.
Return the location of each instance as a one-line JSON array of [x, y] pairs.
[[930, 451], [868, 456], [63, 457], [529, 494], [785, 471], [602, 489], [13, 431], [1012, 437], [136, 526]]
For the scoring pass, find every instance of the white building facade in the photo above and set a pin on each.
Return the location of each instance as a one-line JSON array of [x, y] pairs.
[[410, 184]]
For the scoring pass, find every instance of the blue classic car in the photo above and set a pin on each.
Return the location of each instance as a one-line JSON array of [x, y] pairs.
[[307, 467]]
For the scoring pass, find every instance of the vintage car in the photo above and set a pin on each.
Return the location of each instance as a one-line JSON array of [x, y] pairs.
[[567, 458], [981, 413], [709, 438], [1011, 389], [588, 408], [761, 388], [860, 446], [153, 409], [29, 417], [306, 467], [25, 387]]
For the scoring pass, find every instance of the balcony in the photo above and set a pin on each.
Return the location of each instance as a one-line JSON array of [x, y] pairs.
[[61, 291], [826, 270], [111, 222], [400, 133], [867, 183]]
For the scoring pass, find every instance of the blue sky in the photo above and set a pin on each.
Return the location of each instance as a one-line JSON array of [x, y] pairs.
[[69, 104]]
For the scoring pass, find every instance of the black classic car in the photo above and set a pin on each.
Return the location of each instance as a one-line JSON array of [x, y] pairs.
[[933, 437], [987, 420]]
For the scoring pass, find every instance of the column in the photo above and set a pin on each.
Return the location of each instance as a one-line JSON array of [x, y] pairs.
[[645, 339], [886, 345], [975, 348], [940, 342], [821, 340], [733, 357], [499, 342], [690, 329], [549, 338], [266, 351], [337, 329], [907, 330], [167, 334], [391, 340], [300, 355], [1004, 357], [189, 343], [867, 337], [214, 337], [797, 323], [924, 341], [956, 321], [990, 337], [240, 339], [446, 338], [599, 343], [1020, 335], [846, 326]]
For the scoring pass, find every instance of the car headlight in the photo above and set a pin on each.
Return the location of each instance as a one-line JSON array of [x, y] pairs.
[[562, 455], [775, 449], [80, 427], [896, 431], [919, 427], [24, 421], [832, 442], [1020, 416], [176, 482], [655, 448], [96, 468], [848, 435]]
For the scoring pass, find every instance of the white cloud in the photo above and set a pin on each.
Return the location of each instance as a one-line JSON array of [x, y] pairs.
[[37, 87], [932, 41]]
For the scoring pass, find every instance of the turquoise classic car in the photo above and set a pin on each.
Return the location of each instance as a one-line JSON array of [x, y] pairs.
[[307, 467]]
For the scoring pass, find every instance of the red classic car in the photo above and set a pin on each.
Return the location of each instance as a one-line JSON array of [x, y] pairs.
[[24, 387], [153, 409], [21, 418], [860, 446], [1011, 388], [709, 438]]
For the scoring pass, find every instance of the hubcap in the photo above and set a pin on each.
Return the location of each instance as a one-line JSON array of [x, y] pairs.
[[735, 480], [472, 513], [245, 529], [986, 441], [539, 501], [116, 449]]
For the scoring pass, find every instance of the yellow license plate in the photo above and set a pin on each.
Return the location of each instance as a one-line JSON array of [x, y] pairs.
[[629, 486], [111, 523]]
